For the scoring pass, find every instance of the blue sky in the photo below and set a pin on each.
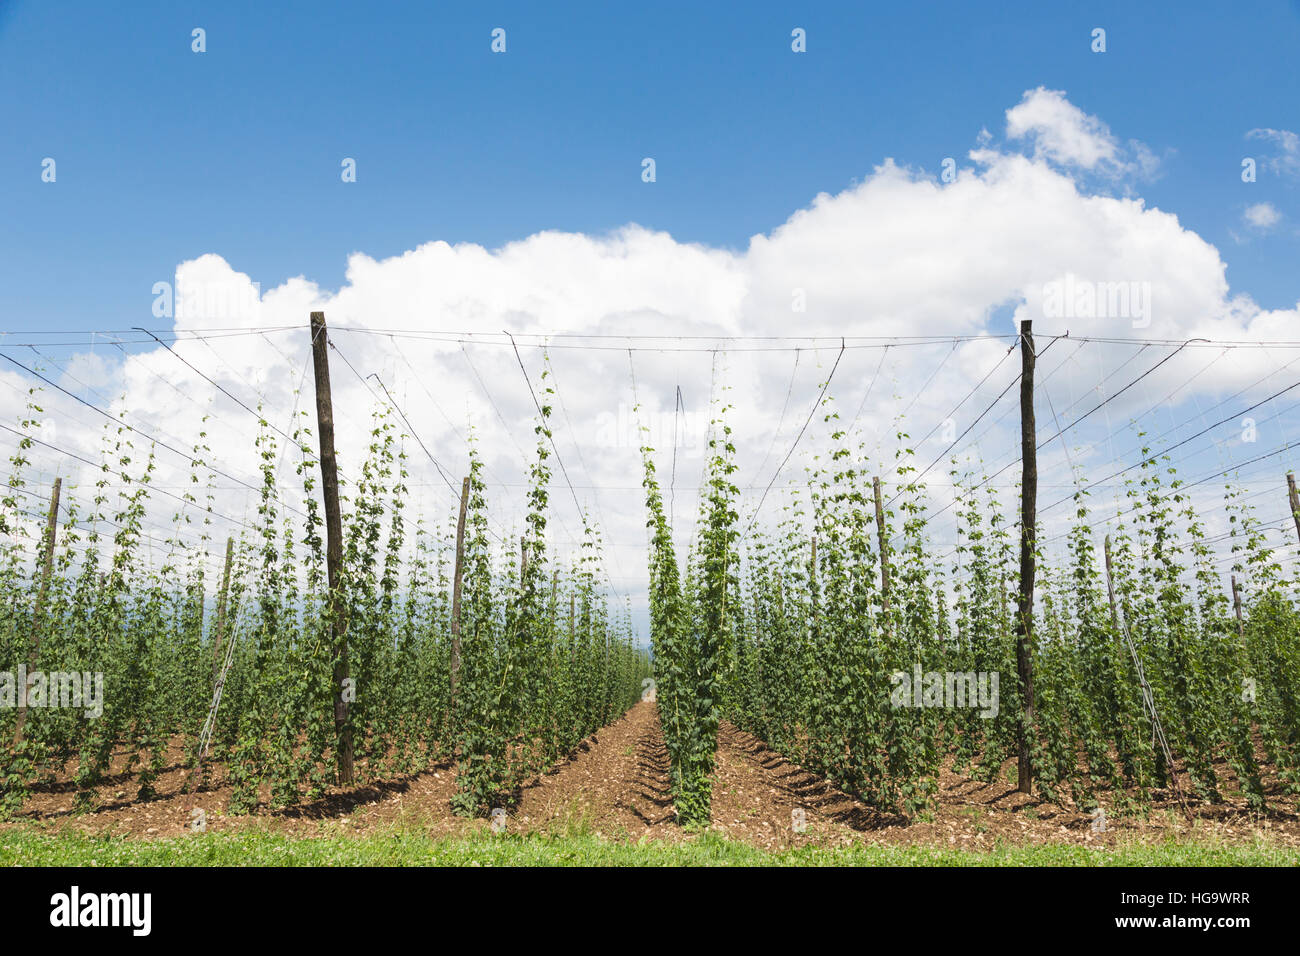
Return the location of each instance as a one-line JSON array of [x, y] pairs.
[[163, 154], [223, 168]]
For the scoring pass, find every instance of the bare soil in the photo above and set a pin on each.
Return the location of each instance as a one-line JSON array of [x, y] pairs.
[[616, 784]]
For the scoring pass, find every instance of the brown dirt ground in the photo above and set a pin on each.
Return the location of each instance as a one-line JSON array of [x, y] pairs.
[[616, 784], [756, 789]]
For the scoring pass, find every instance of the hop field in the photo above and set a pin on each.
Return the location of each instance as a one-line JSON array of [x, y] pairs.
[[434, 668]]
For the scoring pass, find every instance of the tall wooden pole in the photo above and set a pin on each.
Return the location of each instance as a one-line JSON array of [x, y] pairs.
[[555, 610], [1110, 588], [573, 633], [1295, 500], [202, 607], [219, 636], [1028, 520], [38, 609], [457, 579], [884, 547], [1236, 606], [333, 539], [812, 590]]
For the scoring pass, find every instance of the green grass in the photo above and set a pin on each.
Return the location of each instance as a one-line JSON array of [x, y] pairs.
[[410, 848]]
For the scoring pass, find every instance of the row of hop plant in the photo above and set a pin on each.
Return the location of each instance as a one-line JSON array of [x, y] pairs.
[[543, 660], [800, 644]]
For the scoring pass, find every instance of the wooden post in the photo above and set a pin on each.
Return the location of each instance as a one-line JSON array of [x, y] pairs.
[[1236, 606], [1028, 520], [554, 611], [456, 588], [523, 559], [38, 609], [202, 607], [333, 539], [1295, 500], [222, 596], [1110, 588], [884, 548], [812, 591]]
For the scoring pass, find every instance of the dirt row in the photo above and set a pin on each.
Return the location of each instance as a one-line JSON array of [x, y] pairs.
[[617, 785]]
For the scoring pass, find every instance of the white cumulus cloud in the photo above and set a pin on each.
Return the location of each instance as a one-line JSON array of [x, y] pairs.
[[1261, 215], [1064, 134], [897, 255], [1286, 161]]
